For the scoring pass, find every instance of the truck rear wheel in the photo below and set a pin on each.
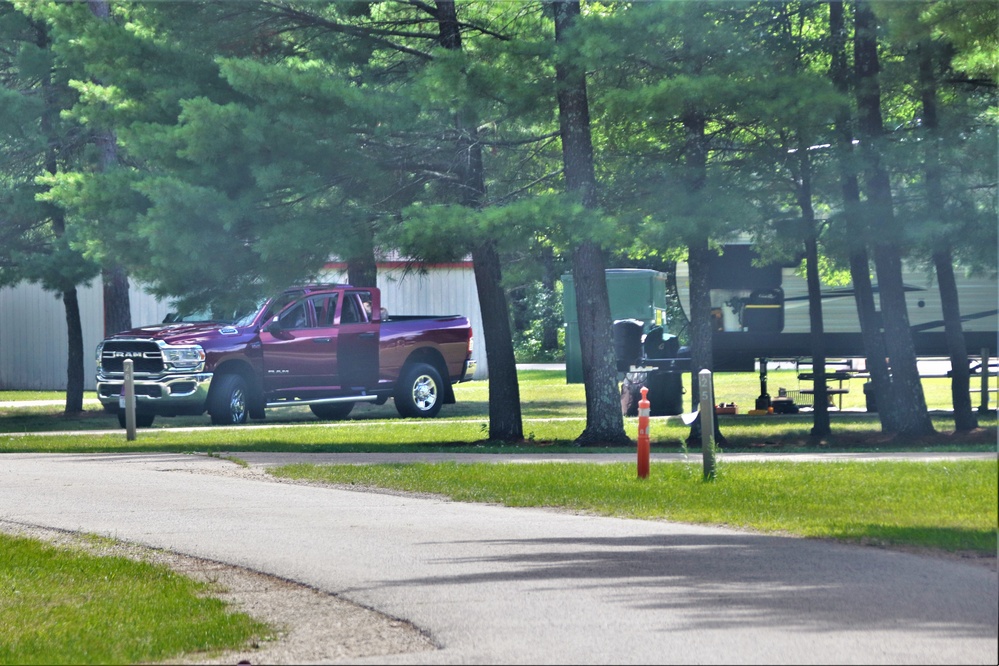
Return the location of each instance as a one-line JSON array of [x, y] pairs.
[[227, 401], [418, 393], [332, 411]]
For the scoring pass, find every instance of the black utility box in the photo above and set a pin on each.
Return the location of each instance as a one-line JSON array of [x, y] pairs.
[[763, 311]]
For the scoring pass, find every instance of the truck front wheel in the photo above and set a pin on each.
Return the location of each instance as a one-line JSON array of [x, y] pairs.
[[141, 420], [227, 401], [418, 393]]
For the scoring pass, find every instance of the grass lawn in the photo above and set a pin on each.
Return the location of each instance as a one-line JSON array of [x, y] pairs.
[[553, 416], [949, 506], [65, 606]]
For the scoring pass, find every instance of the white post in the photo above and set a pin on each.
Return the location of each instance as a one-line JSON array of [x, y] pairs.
[[707, 411], [128, 393]]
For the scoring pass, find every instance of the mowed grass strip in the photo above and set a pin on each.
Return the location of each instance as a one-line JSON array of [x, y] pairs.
[[949, 506], [851, 433], [65, 606]]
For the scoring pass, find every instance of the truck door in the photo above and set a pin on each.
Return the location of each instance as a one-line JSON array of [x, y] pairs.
[[358, 328], [299, 352]]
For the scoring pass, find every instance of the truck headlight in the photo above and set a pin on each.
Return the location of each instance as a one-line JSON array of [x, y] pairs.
[[100, 348], [183, 358]]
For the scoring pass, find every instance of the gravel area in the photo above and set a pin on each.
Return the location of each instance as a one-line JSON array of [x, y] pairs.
[[309, 626]]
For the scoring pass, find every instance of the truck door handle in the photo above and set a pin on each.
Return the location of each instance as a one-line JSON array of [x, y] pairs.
[[365, 336], [322, 339]]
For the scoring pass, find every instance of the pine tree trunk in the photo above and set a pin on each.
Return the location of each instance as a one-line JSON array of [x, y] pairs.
[[960, 384], [905, 398], [362, 268], [71, 304], [74, 363], [701, 322], [863, 290], [604, 420], [699, 264], [505, 419], [549, 324], [872, 335], [820, 414], [117, 301]]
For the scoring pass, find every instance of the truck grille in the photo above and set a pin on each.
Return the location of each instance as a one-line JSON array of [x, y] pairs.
[[146, 357]]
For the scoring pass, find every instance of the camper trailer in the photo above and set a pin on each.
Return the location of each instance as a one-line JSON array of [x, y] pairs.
[[761, 312]]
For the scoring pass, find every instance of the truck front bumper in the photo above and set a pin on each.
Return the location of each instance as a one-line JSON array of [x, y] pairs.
[[171, 395]]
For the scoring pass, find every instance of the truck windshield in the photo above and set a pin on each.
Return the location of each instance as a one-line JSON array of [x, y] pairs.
[[243, 315], [238, 317]]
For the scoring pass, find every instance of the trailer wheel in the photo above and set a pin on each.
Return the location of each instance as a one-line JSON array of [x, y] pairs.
[[333, 411], [418, 393], [227, 401]]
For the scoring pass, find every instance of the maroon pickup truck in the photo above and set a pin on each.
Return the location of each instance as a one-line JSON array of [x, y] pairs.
[[325, 346]]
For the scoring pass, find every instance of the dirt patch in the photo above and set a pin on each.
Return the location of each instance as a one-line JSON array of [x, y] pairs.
[[309, 626]]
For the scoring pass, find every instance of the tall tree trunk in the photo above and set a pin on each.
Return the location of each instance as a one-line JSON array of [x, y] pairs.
[[960, 383], [362, 271], [699, 255], [71, 304], [860, 271], [505, 420], [362, 268], [74, 364], [701, 323], [820, 415], [906, 397], [604, 420], [117, 301], [549, 325]]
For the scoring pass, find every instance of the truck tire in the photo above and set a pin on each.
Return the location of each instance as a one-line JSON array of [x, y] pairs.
[[333, 411], [227, 401], [141, 420], [418, 393]]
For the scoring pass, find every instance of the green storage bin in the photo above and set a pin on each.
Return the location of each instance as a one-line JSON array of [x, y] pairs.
[[634, 293]]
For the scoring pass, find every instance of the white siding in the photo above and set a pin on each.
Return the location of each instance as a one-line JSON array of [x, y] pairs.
[[33, 337]]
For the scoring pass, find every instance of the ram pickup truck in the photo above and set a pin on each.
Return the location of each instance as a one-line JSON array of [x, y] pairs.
[[325, 346]]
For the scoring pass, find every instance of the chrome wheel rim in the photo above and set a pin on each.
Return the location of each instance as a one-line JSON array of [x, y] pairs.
[[237, 406], [424, 393]]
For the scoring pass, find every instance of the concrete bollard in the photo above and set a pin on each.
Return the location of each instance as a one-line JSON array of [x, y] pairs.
[[707, 411], [128, 393]]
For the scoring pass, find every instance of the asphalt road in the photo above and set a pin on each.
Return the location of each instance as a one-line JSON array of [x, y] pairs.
[[503, 586]]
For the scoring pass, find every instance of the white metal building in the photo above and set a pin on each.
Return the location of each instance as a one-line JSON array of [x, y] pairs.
[[33, 338]]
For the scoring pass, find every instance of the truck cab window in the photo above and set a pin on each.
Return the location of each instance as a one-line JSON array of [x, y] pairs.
[[352, 313], [294, 317], [325, 307]]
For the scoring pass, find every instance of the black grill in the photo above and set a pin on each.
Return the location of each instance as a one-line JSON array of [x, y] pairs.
[[146, 357], [114, 390]]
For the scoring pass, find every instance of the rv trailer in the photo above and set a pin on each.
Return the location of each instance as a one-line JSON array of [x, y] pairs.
[[761, 312]]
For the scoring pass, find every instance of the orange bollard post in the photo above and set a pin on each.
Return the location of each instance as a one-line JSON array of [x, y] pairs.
[[643, 434]]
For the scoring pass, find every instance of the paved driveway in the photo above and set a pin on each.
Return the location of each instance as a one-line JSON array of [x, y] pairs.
[[500, 585]]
